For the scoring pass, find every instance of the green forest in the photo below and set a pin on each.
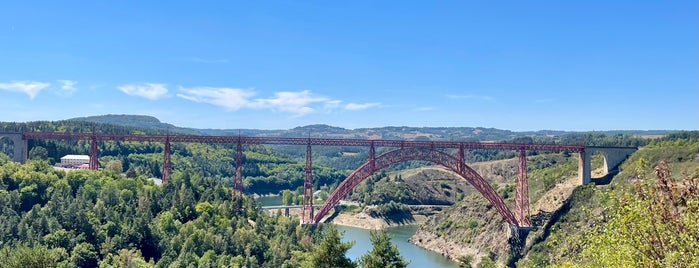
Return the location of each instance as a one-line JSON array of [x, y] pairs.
[[118, 217], [646, 217], [99, 218]]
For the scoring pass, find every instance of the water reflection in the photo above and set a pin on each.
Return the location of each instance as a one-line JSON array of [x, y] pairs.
[[417, 256]]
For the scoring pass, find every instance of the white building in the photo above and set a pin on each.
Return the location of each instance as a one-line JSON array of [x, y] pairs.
[[73, 160]]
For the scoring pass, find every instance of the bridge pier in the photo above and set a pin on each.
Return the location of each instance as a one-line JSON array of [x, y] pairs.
[[517, 241], [522, 193], [167, 165], [307, 212], [612, 157], [94, 153], [19, 146], [238, 180]]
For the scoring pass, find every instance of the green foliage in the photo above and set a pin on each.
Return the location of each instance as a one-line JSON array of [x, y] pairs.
[[330, 251], [84, 255], [115, 166], [444, 185], [23, 256], [392, 211], [98, 218], [655, 226], [125, 258], [383, 253], [487, 262], [39, 153], [546, 171], [380, 189], [287, 197], [591, 209], [466, 261]]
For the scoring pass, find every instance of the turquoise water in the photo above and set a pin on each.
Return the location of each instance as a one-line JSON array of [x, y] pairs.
[[270, 200], [417, 256]]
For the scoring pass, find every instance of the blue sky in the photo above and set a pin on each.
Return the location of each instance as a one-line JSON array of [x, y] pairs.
[[518, 65]]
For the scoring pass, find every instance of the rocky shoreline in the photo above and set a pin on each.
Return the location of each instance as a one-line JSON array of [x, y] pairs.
[[365, 221], [443, 246]]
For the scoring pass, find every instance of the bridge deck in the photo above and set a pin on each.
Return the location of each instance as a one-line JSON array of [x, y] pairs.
[[290, 206], [304, 141]]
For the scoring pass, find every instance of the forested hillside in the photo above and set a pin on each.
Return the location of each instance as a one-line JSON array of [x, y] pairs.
[[588, 226], [53, 218], [265, 170], [118, 214], [86, 218], [641, 219]]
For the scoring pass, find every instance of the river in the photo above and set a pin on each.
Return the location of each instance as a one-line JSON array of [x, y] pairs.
[[417, 256]]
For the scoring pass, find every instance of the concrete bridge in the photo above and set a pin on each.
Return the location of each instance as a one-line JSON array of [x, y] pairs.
[[286, 208], [613, 157], [437, 152], [19, 145]]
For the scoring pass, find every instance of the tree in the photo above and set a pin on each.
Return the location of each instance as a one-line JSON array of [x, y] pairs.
[[383, 253], [84, 255], [24, 256], [466, 261], [331, 251], [131, 172], [655, 226], [115, 165], [287, 197], [39, 152], [487, 262]]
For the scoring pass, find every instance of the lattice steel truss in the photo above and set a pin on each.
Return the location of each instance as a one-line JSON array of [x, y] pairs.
[[407, 150]]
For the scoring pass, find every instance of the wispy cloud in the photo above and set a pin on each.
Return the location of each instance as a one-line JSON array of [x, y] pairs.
[[147, 90], [361, 106], [68, 86], [298, 103], [469, 96], [229, 98], [205, 60], [332, 104], [31, 88]]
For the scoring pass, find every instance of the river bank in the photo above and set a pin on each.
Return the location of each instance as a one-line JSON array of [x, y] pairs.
[[417, 256], [365, 221]]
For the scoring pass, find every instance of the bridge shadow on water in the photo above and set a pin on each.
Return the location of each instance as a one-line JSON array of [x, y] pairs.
[[396, 217]]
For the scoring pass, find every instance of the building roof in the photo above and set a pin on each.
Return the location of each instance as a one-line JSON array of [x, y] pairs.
[[76, 156]]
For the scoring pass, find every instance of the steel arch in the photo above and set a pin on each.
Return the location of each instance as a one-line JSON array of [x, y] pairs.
[[423, 154]]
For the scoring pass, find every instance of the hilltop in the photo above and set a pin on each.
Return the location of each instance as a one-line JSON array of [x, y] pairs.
[[388, 132]]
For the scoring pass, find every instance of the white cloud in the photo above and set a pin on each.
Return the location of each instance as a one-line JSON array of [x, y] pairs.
[[360, 106], [31, 88], [147, 90], [68, 86], [470, 96], [229, 98], [298, 103], [332, 104]]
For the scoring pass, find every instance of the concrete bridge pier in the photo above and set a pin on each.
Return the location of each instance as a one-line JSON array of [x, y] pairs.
[[19, 151], [613, 157]]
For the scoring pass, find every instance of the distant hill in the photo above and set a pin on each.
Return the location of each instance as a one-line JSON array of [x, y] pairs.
[[389, 132], [138, 121]]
